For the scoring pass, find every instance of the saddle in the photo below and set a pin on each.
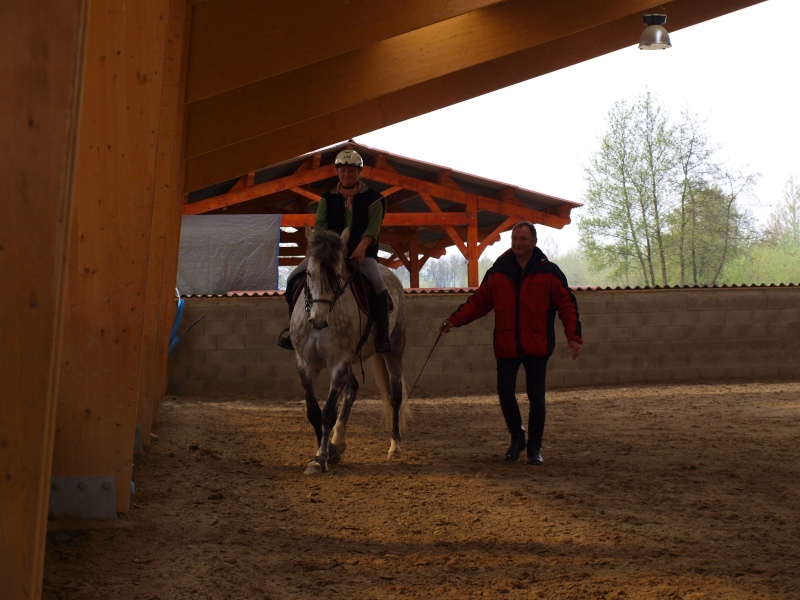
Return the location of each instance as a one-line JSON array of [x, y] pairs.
[[362, 290]]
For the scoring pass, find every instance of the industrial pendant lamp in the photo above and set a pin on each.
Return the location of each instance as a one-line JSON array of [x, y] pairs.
[[654, 37]]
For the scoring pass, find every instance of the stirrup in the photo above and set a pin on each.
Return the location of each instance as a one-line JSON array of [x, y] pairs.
[[285, 342]]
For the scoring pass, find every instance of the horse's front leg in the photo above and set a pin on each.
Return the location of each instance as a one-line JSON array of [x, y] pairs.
[[319, 464], [394, 367], [338, 443], [308, 380]]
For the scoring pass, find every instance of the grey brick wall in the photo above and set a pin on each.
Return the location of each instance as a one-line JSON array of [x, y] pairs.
[[630, 336]]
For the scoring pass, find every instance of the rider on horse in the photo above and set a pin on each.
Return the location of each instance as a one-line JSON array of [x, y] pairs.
[[351, 204]]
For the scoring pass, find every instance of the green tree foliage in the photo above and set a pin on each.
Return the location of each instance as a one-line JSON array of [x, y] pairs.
[[659, 210], [775, 258], [576, 269], [784, 222]]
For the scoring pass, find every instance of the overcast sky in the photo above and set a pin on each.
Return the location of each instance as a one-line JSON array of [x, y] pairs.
[[740, 73]]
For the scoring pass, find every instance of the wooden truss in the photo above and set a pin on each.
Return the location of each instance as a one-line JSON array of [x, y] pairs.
[[450, 215]]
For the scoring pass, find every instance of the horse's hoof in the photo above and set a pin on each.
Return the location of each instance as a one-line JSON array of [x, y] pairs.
[[315, 468], [334, 456], [394, 450]]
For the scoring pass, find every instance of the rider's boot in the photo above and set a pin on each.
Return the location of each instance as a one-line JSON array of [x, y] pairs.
[[284, 339], [380, 312]]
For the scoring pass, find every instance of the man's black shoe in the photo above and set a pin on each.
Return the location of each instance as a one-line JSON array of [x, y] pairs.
[[285, 341], [516, 447], [535, 457]]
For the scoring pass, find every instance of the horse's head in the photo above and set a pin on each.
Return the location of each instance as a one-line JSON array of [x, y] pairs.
[[326, 273]]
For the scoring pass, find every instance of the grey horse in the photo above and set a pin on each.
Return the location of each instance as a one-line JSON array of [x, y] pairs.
[[326, 331]]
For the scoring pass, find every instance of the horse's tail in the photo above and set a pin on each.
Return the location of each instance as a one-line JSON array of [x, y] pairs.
[[382, 380]]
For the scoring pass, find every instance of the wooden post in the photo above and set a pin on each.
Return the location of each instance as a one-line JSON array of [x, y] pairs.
[[165, 241], [104, 318], [41, 46], [472, 241], [413, 251]]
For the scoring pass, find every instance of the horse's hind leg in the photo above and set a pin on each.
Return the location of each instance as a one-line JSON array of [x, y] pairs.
[[394, 367], [338, 443]]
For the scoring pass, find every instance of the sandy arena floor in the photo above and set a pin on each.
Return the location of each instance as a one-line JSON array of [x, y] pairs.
[[683, 491]]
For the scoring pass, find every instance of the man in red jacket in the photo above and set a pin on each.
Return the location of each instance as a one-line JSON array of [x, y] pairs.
[[525, 290]]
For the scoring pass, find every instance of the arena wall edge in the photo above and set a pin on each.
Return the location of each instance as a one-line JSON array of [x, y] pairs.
[[630, 337]]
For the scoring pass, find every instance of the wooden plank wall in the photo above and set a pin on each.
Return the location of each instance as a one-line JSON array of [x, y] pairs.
[[105, 311], [38, 105]]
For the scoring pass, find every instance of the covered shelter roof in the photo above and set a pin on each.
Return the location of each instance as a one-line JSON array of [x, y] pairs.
[[429, 207]]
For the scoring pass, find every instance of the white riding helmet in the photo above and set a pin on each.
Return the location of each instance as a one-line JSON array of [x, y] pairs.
[[349, 158]]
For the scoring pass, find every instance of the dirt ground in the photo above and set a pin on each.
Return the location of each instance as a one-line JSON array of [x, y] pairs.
[[680, 491]]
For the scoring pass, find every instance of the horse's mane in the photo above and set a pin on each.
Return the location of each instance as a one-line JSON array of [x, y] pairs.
[[326, 249]]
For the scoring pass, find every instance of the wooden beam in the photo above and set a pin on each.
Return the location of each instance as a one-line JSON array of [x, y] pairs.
[[445, 191], [494, 235], [160, 301], [237, 196], [219, 64], [114, 203], [449, 87], [522, 213], [306, 194], [400, 256], [449, 46], [391, 191], [415, 262], [472, 246], [42, 48], [393, 219]]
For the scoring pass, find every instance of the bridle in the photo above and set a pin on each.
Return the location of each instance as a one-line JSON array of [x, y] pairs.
[[339, 289]]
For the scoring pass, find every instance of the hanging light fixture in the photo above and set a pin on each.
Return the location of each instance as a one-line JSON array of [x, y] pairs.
[[654, 36]]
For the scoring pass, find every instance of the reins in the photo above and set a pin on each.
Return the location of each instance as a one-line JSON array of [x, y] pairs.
[[424, 365]]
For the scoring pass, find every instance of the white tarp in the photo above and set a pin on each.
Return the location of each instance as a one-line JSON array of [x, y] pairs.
[[228, 253]]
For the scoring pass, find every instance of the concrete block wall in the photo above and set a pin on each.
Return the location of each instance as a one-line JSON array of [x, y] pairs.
[[630, 336]]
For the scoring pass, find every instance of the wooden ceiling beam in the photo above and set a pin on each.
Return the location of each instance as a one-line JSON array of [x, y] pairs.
[[306, 194], [522, 213], [439, 219], [445, 47], [259, 150], [236, 43], [426, 190], [236, 196], [494, 235]]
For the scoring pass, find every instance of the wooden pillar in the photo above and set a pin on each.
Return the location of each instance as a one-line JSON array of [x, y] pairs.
[[472, 241], [41, 46], [413, 252], [161, 301], [104, 318]]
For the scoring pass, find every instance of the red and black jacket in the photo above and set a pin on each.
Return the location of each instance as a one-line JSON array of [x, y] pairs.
[[525, 302]]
